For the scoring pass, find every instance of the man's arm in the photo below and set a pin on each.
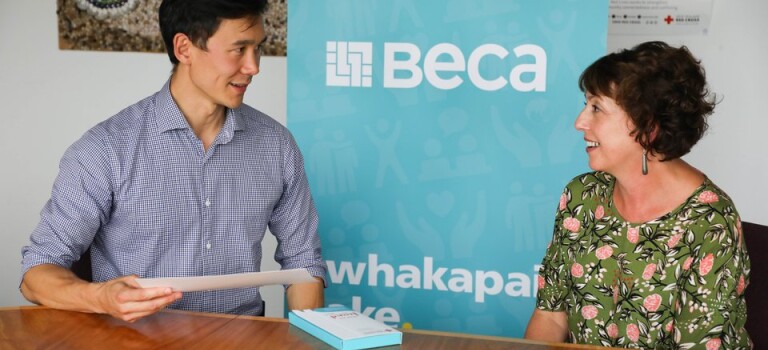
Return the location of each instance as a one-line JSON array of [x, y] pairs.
[[549, 326], [303, 296], [294, 223], [59, 288]]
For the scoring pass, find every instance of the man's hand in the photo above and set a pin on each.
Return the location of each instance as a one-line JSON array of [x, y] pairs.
[[123, 298], [59, 288]]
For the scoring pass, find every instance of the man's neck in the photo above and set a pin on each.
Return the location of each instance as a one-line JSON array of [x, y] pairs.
[[205, 118]]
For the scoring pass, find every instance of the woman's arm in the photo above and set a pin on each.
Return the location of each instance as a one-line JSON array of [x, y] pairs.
[[548, 326], [306, 295]]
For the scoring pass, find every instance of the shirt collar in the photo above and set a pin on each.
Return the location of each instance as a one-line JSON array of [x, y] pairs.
[[169, 116], [232, 123]]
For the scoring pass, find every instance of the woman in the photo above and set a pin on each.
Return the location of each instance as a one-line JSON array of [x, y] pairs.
[[647, 252]]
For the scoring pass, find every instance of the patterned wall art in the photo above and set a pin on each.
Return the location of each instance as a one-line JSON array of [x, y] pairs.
[[131, 25]]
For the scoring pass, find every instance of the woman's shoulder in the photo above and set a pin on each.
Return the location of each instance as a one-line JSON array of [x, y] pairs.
[[711, 194], [709, 205]]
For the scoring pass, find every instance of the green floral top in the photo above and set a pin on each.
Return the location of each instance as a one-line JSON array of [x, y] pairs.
[[674, 282]]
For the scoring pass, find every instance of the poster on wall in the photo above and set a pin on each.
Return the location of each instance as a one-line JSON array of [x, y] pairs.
[[131, 25], [437, 137], [659, 17]]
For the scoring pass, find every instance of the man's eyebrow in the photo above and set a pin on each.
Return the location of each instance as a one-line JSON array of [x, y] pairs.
[[248, 42]]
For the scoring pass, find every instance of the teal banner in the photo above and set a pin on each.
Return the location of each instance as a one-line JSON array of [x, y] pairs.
[[438, 136]]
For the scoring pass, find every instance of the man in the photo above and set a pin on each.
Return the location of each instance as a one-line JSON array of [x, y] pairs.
[[182, 183]]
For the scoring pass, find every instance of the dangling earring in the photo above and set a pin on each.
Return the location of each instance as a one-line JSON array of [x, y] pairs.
[[645, 162]]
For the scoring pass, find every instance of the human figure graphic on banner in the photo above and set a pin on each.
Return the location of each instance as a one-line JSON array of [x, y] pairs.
[[518, 217], [541, 209], [558, 31], [345, 160], [647, 252], [183, 183], [321, 163], [385, 140]]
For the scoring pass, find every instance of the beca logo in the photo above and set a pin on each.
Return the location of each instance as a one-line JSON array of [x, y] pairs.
[[444, 66]]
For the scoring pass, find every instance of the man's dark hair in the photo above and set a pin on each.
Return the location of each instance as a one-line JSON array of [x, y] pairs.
[[662, 88], [199, 19]]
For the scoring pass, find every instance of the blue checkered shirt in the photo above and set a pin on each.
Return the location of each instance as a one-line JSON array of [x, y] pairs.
[[142, 192]]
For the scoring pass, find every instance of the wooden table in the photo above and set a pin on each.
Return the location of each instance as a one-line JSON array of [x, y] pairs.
[[35, 327]]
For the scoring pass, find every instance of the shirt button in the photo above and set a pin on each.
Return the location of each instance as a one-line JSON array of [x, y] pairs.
[[208, 245], [207, 202]]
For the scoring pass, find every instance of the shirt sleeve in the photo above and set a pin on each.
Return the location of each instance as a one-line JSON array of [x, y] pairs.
[[552, 279], [712, 310], [294, 220], [80, 203]]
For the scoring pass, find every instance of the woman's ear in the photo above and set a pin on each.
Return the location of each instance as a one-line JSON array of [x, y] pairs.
[[654, 133], [182, 47]]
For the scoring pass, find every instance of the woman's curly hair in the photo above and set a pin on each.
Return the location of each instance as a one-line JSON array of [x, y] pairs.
[[664, 91]]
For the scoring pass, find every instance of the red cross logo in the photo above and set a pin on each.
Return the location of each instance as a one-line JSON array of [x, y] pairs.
[[669, 19]]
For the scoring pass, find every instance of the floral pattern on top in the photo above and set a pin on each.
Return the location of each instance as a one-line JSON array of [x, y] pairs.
[[676, 282]]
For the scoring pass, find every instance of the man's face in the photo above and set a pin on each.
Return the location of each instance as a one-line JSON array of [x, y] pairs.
[[222, 72]]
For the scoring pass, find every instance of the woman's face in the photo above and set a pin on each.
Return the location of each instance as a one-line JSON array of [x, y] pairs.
[[607, 128]]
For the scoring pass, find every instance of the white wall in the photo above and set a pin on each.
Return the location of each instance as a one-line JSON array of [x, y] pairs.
[[734, 153], [48, 98]]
